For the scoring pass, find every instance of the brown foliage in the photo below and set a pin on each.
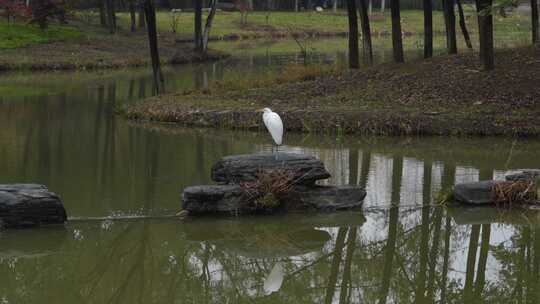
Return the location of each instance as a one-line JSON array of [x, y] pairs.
[[518, 192]]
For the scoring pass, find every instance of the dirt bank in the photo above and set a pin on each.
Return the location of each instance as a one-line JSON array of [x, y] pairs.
[[448, 95]]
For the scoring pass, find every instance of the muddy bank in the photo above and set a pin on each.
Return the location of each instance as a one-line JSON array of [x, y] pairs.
[[448, 95], [100, 51]]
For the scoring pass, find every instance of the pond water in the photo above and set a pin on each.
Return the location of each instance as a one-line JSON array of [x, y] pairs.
[[120, 181]]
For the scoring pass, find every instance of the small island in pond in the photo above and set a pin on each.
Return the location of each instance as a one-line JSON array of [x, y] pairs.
[[269, 183]]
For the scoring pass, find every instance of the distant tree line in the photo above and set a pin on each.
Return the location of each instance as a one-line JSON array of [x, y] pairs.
[[485, 10]]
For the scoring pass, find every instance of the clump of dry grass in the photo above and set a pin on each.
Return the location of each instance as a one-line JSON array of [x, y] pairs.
[[520, 192], [270, 188]]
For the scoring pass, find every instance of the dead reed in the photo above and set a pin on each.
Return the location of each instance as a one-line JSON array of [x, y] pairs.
[[521, 192]]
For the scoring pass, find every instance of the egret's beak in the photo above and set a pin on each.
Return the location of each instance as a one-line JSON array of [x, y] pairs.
[[259, 110]]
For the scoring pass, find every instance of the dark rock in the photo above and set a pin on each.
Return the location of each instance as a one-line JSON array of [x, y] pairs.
[[232, 199], [29, 205], [525, 174], [477, 193], [242, 168], [212, 199]]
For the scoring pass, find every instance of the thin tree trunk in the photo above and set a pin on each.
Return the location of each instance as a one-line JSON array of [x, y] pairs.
[[336, 261], [366, 32], [150, 13], [446, 258], [534, 17], [102, 14], [434, 254], [345, 292], [353, 166], [334, 6], [142, 22], [468, 294], [463, 25], [485, 30], [383, 2], [132, 15], [364, 170], [296, 5], [397, 43], [370, 7], [197, 4], [354, 62], [482, 261], [111, 16], [428, 29], [420, 291], [450, 24], [208, 25], [393, 221]]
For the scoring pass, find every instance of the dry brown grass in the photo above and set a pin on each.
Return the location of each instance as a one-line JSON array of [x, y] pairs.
[[516, 193], [270, 188]]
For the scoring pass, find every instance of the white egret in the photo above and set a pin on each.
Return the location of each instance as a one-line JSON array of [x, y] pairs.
[[274, 125]]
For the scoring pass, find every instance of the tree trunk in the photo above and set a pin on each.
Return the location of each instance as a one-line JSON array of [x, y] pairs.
[[354, 62], [334, 7], [428, 29], [397, 43], [446, 258], [485, 30], [366, 32], [346, 286], [482, 262], [468, 294], [150, 14], [463, 25], [450, 23], [142, 23], [393, 223], [208, 25], [383, 2], [102, 15], [296, 5], [111, 16], [197, 38], [336, 261], [132, 15], [534, 17], [370, 7]]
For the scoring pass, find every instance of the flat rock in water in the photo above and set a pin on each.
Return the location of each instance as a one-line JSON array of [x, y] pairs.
[[243, 168], [231, 199], [524, 174], [477, 193], [29, 205]]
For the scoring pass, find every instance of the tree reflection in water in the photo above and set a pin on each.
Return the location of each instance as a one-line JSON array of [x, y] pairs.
[[402, 249]]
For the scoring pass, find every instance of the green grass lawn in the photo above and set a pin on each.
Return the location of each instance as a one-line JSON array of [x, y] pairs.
[[15, 35], [511, 28], [412, 22]]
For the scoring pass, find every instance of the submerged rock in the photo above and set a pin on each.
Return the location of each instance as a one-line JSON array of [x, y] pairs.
[[232, 199], [243, 168], [29, 205], [477, 193]]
